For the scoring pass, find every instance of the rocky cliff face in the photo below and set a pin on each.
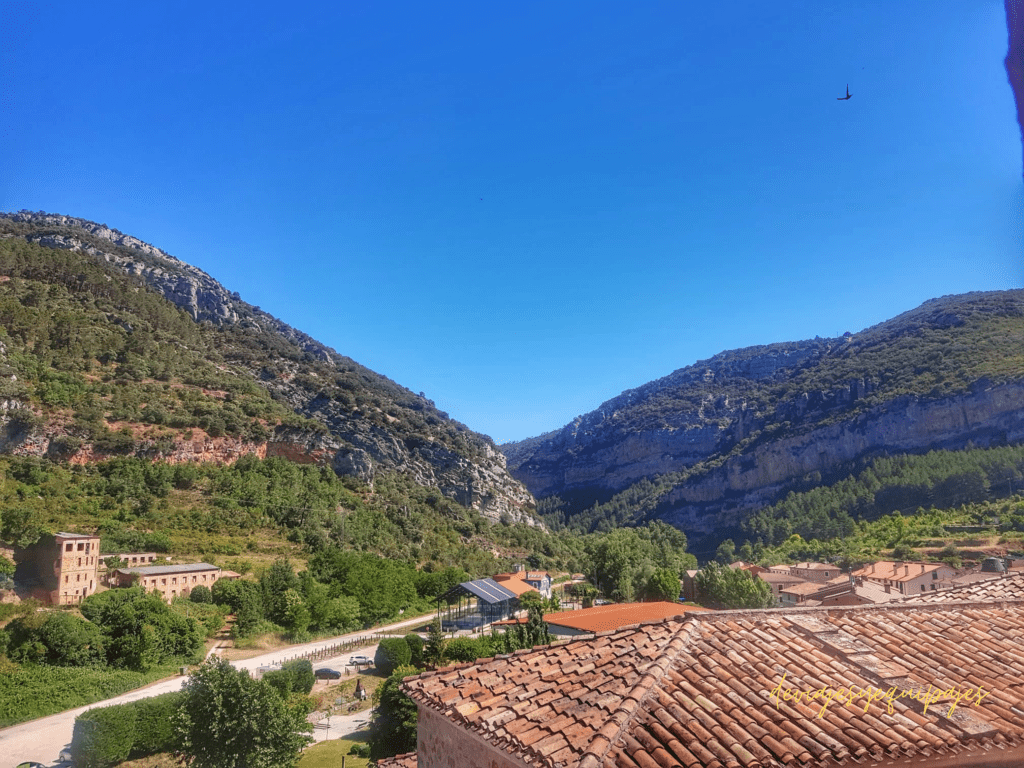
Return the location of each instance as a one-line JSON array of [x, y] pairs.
[[738, 431], [360, 439]]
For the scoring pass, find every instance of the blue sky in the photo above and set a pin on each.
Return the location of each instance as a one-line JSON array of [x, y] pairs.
[[522, 209]]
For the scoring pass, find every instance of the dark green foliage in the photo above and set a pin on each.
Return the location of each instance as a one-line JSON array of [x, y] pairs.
[[624, 560], [57, 638], [295, 676], [721, 587], [938, 479], [392, 653], [393, 731], [435, 648], [141, 630], [154, 727], [275, 582], [664, 584], [228, 720], [200, 594], [415, 643], [463, 649], [103, 737], [382, 586]]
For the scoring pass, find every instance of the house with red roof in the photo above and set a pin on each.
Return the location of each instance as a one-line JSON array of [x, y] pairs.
[[907, 684]]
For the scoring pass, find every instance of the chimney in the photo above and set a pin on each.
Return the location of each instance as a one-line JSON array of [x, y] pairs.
[[922, 567], [906, 570], [887, 590]]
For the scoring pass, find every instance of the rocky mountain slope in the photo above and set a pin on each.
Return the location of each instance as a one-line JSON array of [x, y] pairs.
[[112, 346], [710, 443]]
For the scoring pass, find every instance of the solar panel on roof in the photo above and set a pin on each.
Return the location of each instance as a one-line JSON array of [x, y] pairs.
[[487, 590]]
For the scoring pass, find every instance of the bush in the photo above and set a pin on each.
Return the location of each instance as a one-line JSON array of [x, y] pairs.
[[415, 643], [154, 730], [295, 676], [201, 594], [392, 653], [103, 737], [464, 649]]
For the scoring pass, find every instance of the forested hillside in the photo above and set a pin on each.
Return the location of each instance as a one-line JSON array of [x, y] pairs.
[[108, 346], [714, 442]]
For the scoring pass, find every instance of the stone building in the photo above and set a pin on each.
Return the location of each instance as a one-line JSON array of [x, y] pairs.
[[76, 567], [170, 580]]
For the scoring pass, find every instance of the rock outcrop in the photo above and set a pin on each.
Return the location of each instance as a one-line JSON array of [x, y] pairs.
[[361, 440], [736, 432]]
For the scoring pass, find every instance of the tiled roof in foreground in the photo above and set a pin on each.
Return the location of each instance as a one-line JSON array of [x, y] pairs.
[[697, 690], [408, 760], [1008, 587]]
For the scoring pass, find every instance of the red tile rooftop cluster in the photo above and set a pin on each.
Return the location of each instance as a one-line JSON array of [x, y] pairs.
[[696, 690]]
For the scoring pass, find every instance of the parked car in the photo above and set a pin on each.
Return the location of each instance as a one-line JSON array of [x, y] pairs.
[[360, 661], [327, 674]]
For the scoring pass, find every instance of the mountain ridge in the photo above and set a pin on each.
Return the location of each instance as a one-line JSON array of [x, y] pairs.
[[352, 419], [733, 433]]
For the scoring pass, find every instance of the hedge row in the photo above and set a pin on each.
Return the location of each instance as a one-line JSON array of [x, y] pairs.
[[108, 736]]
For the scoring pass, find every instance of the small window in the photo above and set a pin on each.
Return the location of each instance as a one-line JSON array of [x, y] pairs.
[[922, 587], [70, 547], [935, 575], [163, 581], [81, 546], [79, 562], [67, 579]]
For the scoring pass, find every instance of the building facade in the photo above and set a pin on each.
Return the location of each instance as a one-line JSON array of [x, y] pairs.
[[76, 567], [169, 580]]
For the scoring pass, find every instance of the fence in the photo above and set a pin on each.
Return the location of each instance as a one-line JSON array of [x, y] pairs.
[[339, 648]]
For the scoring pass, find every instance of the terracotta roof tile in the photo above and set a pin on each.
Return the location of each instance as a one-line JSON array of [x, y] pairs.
[[407, 760], [698, 690]]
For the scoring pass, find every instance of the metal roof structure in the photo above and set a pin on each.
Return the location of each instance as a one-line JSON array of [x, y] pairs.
[[488, 590], [158, 570]]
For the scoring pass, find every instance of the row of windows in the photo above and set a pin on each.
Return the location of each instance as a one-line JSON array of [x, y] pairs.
[[83, 546]]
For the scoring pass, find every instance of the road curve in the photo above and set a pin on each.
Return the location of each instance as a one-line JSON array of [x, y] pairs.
[[43, 739]]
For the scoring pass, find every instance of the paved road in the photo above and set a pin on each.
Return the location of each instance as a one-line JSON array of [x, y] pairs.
[[43, 739]]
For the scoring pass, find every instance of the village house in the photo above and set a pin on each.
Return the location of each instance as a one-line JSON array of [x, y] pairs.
[[76, 567], [907, 578], [778, 581], [538, 580], [170, 580], [743, 689], [817, 572]]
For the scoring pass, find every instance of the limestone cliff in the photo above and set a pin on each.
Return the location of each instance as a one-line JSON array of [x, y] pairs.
[[734, 433], [368, 423]]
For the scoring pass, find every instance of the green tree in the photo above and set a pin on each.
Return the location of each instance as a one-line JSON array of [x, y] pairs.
[[57, 638], [721, 587], [200, 594], [228, 720], [393, 730], [392, 653], [664, 584], [434, 648], [726, 552], [415, 643]]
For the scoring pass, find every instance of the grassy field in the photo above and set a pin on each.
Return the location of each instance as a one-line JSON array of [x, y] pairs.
[[326, 754]]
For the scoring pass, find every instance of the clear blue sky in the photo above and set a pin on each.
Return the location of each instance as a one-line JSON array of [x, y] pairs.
[[660, 181]]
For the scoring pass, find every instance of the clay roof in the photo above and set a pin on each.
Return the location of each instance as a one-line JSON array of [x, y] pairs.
[[697, 690], [1010, 587], [816, 567], [517, 587], [408, 760], [805, 588], [890, 571], [779, 578], [601, 618]]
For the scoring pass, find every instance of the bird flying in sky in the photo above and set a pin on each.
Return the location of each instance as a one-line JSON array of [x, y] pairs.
[[847, 97]]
